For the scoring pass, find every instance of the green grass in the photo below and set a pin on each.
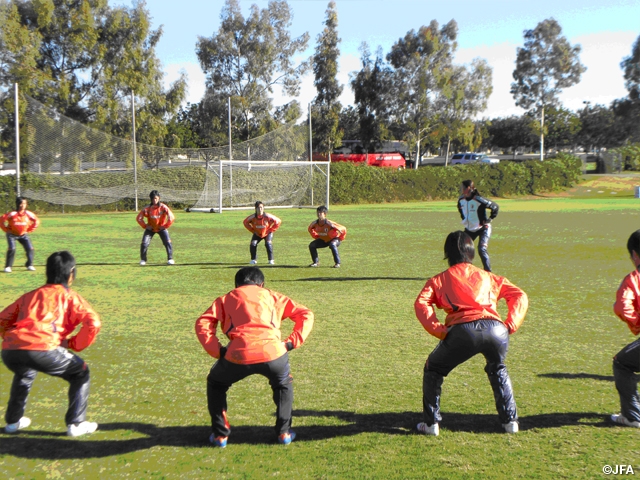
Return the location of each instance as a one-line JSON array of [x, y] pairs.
[[358, 378]]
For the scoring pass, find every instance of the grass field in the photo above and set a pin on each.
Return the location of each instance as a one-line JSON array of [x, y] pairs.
[[358, 378]]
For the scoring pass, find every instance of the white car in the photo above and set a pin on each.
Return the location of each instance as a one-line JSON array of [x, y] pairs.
[[464, 158]]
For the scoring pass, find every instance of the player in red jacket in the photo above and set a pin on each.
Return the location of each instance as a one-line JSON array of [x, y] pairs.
[[37, 336], [325, 234], [250, 317], [17, 225], [626, 363], [158, 218], [262, 225], [469, 296]]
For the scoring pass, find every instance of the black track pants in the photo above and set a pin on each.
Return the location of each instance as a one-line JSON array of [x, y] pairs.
[[146, 240], [223, 374], [488, 337], [319, 243], [58, 363], [268, 243], [625, 366], [25, 241], [483, 244]]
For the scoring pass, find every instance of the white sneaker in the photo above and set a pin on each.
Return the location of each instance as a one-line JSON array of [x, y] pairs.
[[31, 268], [24, 422], [313, 265], [171, 262], [511, 427], [81, 429], [253, 262], [337, 265], [428, 430], [622, 420], [142, 262], [271, 262], [7, 270]]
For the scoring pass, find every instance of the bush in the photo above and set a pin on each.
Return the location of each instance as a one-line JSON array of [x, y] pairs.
[[630, 156], [355, 183]]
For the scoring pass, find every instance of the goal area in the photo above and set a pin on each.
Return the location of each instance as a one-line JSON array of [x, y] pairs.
[[68, 163]]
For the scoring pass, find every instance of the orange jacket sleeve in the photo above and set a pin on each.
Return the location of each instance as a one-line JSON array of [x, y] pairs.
[[337, 231], [80, 313], [35, 221], [247, 222], [206, 327], [426, 313], [8, 317], [3, 222], [312, 231], [274, 224], [170, 217], [140, 218], [301, 317], [517, 303], [626, 304]]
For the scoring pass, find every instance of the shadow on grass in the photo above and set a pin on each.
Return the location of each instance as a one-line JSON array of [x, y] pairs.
[[351, 279], [35, 444], [152, 265], [570, 376]]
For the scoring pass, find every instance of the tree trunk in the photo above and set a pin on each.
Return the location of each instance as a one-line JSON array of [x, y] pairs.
[[446, 158]]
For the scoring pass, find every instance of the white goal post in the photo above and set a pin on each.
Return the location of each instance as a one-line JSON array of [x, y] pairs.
[[278, 184]]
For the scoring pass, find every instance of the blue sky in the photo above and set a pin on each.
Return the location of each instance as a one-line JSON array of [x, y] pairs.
[[491, 29]]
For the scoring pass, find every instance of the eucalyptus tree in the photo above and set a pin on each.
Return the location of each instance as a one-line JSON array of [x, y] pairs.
[[464, 94], [326, 106], [627, 110], [422, 63], [562, 127], [545, 65], [511, 133], [631, 67], [83, 58], [246, 59], [373, 90]]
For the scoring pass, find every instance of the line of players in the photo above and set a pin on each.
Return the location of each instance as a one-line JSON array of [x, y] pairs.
[[37, 335], [157, 217]]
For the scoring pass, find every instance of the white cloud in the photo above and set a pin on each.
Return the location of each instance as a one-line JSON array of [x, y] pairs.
[[195, 79]]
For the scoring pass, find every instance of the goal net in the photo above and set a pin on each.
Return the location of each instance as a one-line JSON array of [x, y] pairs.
[[69, 163]]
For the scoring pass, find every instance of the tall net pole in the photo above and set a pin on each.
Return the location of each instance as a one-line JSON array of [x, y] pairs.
[[310, 153], [230, 158], [135, 155], [17, 118]]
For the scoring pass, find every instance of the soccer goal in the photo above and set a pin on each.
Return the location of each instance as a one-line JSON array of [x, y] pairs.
[[69, 163], [238, 184]]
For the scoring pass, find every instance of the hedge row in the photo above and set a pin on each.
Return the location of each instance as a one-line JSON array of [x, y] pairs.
[[353, 183]]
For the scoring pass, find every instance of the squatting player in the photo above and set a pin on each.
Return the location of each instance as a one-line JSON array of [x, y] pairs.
[[35, 332], [325, 234], [262, 225], [250, 316], [626, 363], [473, 211], [159, 218], [469, 296], [18, 225]]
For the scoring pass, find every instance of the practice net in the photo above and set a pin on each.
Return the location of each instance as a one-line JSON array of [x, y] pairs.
[[72, 164]]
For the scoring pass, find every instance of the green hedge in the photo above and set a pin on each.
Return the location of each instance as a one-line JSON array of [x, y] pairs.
[[354, 183]]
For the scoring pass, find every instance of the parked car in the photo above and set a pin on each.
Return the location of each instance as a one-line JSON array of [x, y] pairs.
[[465, 158]]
